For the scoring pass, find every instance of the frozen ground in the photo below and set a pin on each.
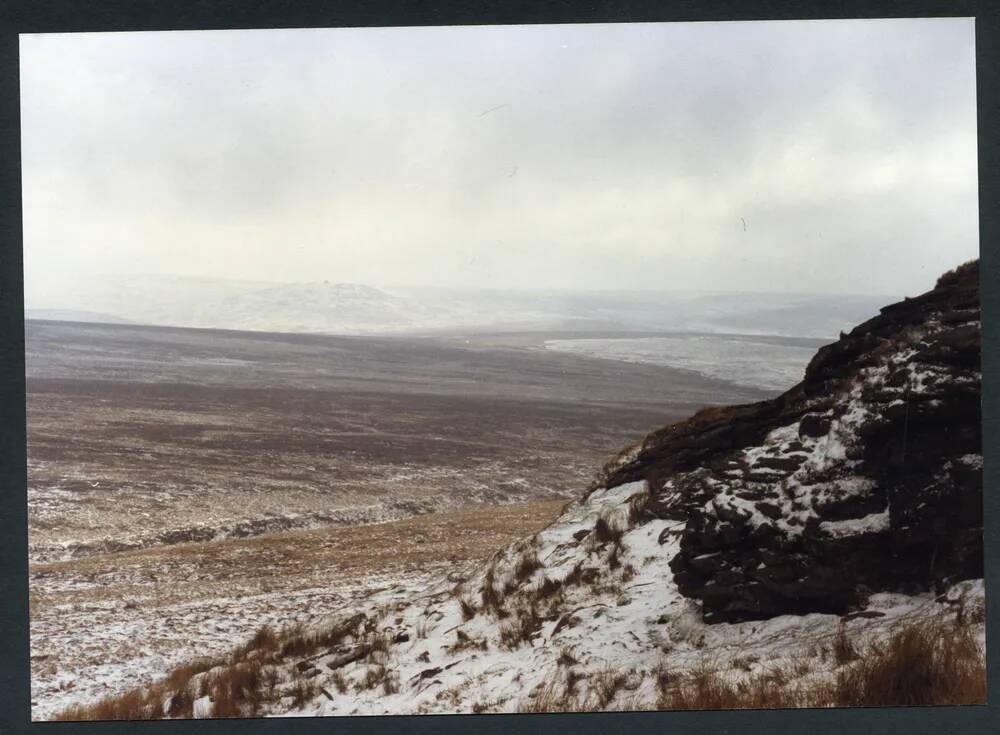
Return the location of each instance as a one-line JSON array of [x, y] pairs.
[[105, 623], [147, 429], [625, 617], [768, 363], [563, 611], [147, 447], [140, 436]]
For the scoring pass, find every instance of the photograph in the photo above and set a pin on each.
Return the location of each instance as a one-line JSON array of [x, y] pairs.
[[486, 369]]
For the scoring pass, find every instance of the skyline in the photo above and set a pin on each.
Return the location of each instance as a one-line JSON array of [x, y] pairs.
[[789, 156]]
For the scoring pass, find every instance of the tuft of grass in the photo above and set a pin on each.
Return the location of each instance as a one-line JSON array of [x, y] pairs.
[[379, 676], [464, 641], [487, 705], [637, 506], [606, 532], [575, 577], [566, 657], [548, 588], [339, 682], [236, 691], [605, 685], [492, 600], [131, 705], [390, 685], [573, 677], [924, 664], [303, 690], [707, 688], [298, 641], [844, 651], [468, 609], [551, 698], [527, 565], [265, 639], [927, 664], [521, 629]]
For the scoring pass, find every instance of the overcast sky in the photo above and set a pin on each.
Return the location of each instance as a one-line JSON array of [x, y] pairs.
[[833, 156]]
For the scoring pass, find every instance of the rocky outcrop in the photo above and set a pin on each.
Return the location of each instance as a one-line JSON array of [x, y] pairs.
[[864, 477]]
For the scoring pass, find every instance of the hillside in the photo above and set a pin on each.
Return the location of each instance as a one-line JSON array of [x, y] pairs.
[[770, 554]]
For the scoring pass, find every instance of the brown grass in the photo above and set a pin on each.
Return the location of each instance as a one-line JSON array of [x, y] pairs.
[[339, 682], [575, 576], [236, 692], [566, 657], [486, 705], [548, 588], [265, 639], [147, 704], [637, 506], [527, 565], [297, 641], [464, 642], [605, 532], [492, 600], [303, 690], [466, 534], [844, 651], [133, 705], [379, 676], [467, 607], [552, 698], [240, 687], [930, 664], [605, 685], [613, 561], [924, 664], [707, 688], [522, 628]]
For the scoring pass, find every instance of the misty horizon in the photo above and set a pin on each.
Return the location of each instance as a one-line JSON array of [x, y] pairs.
[[834, 157], [479, 288]]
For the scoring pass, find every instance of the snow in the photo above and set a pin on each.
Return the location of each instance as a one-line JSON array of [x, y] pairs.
[[872, 523], [633, 623], [742, 360], [618, 607], [202, 707], [629, 618], [973, 461]]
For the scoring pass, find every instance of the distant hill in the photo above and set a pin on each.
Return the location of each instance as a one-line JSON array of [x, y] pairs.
[[350, 308], [72, 315]]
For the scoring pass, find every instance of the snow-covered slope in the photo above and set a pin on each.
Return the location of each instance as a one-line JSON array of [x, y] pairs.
[[750, 541], [575, 609], [867, 475]]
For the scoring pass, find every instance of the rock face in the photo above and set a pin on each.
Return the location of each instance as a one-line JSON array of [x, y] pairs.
[[866, 476]]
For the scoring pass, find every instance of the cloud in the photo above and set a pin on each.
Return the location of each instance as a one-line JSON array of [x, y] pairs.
[[591, 156]]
